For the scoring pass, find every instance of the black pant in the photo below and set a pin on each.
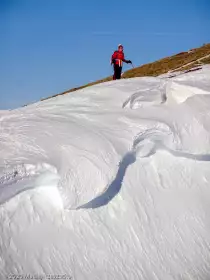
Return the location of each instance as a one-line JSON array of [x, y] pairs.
[[117, 72]]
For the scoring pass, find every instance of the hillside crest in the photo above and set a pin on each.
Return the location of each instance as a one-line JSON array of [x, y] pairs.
[[183, 61]]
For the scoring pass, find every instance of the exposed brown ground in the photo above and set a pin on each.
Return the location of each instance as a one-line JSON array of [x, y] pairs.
[[181, 61]]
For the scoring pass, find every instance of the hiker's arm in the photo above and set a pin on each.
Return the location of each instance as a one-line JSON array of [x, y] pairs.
[[126, 61]]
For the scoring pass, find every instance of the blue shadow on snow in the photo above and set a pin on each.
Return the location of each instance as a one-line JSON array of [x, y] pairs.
[[115, 186]]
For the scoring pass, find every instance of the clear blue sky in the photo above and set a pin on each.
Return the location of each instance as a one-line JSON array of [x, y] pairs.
[[49, 46]]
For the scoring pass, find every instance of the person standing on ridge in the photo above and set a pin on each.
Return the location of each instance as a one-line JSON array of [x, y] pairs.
[[117, 60]]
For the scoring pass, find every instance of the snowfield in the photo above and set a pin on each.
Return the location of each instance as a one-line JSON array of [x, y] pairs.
[[109, 182]]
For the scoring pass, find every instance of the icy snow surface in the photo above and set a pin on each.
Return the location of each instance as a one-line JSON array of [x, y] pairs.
[[109, 182]]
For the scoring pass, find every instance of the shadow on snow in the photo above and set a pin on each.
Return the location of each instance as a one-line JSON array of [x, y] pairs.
[[115, 186]]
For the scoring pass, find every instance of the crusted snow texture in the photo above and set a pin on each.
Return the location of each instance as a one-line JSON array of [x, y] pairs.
[[109, 182]]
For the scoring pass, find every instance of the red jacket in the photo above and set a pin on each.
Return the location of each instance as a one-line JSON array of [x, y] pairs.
[[118, 58]]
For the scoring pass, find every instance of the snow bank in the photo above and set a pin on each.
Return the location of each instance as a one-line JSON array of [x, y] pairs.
[[109, 182]]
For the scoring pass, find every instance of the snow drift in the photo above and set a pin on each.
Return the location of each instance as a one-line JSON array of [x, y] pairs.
[[109, 182]]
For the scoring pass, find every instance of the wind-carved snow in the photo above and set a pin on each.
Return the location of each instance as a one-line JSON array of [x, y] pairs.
[[115, 186], [109, 182], [17, 179]]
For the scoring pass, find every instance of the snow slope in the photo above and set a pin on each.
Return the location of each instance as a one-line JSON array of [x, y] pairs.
[[109, 182]]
